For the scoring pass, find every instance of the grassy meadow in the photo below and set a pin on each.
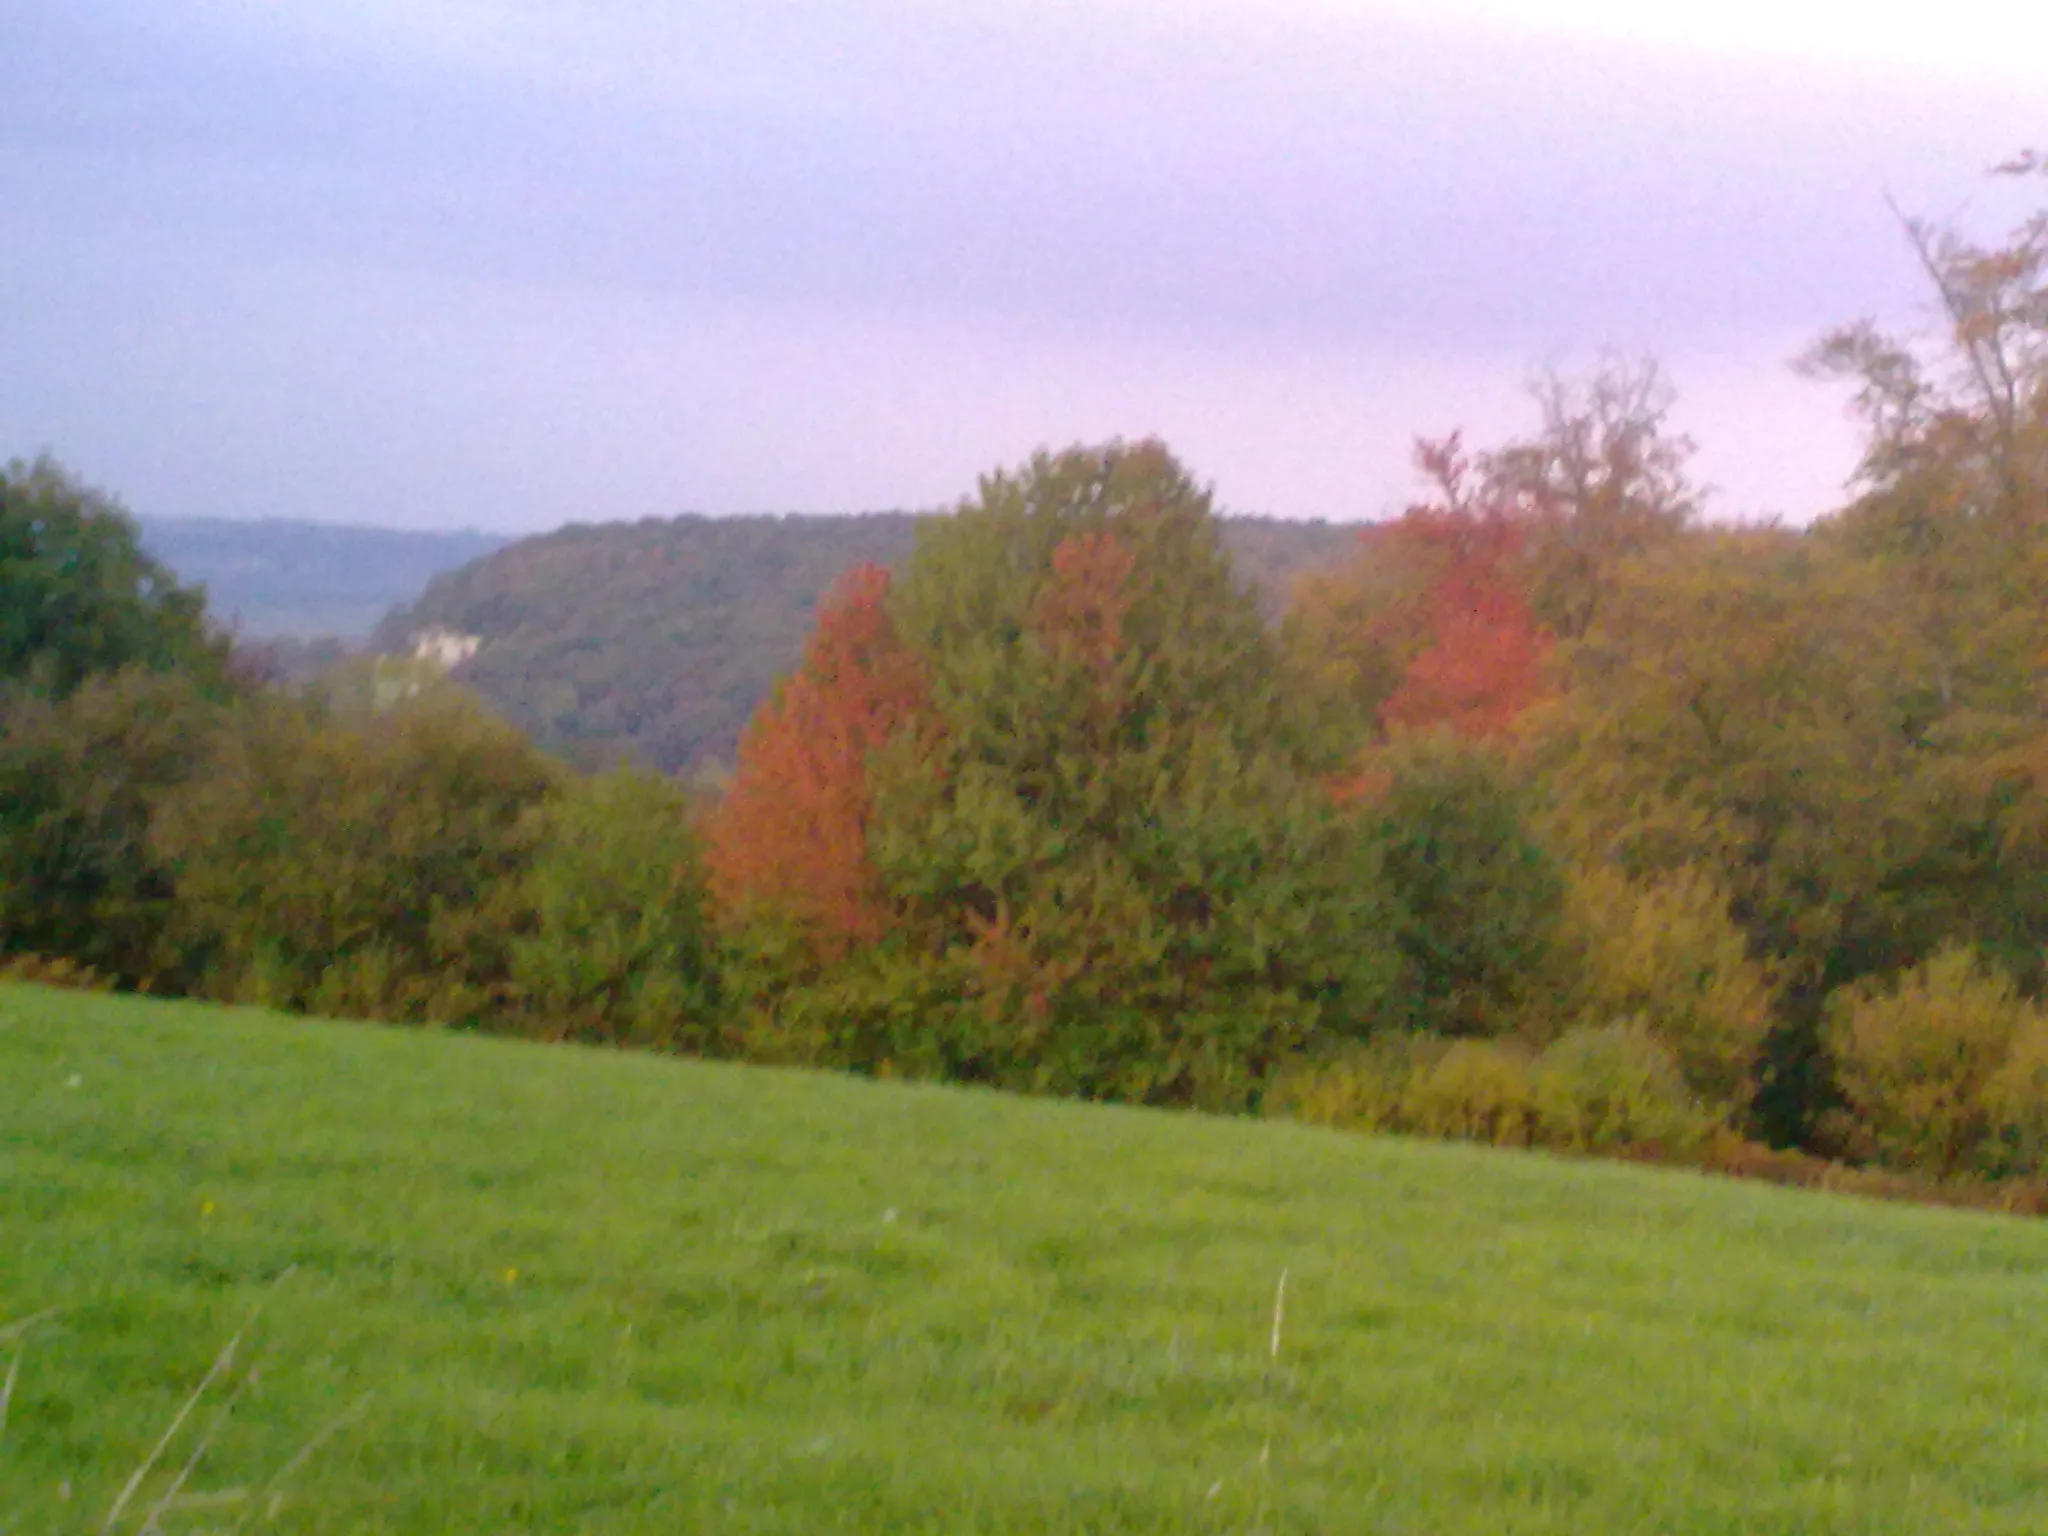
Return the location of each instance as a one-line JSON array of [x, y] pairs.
[[507, 1287]]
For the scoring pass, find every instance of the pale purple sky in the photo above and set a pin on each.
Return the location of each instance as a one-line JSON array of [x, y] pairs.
[[436, 263]]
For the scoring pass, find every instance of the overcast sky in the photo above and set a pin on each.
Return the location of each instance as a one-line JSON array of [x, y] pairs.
[[432, 263]]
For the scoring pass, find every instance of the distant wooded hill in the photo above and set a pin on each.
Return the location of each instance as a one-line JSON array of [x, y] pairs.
[[276, 579], [655, 640]]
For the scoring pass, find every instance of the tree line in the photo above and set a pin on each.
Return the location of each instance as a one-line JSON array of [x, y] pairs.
[[1556, 814]]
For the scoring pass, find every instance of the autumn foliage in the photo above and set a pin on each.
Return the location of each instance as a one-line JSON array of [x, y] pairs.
[[1080, 611], [1550, 817], [790, 836], [1431, 626], [1482, 653], [1104, 865]]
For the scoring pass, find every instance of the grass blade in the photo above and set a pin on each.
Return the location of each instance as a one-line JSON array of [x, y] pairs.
[[7, 1391], [220, 1417], [274, 1489], [22, 1325], [221, 1363]]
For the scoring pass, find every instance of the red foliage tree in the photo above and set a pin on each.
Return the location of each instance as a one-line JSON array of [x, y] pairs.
[[1482, 663], [790, 836], [1480, 652]]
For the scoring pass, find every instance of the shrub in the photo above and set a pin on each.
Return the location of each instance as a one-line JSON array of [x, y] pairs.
[[2015, 1103], [882, 1011], [1613, 1087], [1360, 1090], [368, 867], [616, 945], [1475, 1091], [1414, 1084], [1666, 952], [1478, 895], [1914, 1059], [52, 971], [82, 782]]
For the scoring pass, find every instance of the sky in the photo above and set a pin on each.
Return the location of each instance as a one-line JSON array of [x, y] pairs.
[[441, 263]]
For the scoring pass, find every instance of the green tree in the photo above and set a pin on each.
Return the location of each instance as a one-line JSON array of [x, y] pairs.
[[82, 780], [1737, 706], [616, 941], [1115, 836], [78, 596], [1952, 520], [367, 867], [1757, 705], [1476, 894]]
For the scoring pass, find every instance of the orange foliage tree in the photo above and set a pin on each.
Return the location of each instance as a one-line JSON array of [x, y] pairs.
[[1446, 623], [790, 837], [1448, 615], [1481, 662]]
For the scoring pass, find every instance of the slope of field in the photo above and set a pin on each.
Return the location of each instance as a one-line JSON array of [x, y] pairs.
[[657, 639], [599, 1293]]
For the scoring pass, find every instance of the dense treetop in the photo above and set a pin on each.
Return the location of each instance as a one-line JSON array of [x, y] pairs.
[[77, 593]]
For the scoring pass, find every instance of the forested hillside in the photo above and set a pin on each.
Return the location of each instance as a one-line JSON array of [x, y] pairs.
[[657, 639]]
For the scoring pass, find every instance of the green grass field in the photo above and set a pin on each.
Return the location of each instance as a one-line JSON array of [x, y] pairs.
[[588, 1292]]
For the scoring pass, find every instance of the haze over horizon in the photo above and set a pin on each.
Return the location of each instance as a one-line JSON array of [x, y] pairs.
[[445, 265]]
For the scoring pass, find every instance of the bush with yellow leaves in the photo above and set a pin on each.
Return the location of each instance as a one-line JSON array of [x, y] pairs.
[[1928, 1068], [1477, 1090], [1615, 1088], [1666, 954]]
